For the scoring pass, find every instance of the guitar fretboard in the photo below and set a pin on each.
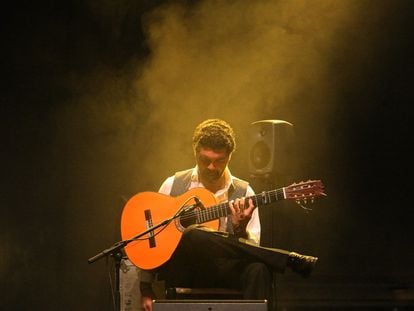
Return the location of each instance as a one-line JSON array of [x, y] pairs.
[[223, 209]]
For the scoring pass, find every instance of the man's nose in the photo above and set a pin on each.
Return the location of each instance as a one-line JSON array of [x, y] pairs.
[[211, 166]]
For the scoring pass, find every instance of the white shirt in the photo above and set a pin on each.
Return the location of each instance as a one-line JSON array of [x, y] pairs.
[[253, 226]]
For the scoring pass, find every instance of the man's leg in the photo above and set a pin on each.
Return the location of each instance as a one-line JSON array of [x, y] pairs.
[[256, 280], [195, 256], [202, 245], [212, 243], [257, 283]]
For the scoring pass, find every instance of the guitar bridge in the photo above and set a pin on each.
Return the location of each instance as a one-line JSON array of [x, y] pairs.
[[149, 224]]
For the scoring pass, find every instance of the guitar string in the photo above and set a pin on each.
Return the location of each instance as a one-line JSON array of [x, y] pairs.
[[156, 232], [216, 209]]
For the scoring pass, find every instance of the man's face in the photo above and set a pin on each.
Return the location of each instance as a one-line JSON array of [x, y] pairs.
[[211, 163]]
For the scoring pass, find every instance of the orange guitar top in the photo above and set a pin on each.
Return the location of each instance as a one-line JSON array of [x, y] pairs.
[[159, 207]]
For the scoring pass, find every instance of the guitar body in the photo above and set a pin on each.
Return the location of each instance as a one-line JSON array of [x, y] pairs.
[[147, 209]]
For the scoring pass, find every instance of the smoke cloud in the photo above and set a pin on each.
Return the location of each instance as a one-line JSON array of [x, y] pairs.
[[238, 60], [241, 61]]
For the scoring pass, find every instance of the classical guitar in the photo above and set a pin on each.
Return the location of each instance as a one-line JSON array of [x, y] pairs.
[[147, 209]]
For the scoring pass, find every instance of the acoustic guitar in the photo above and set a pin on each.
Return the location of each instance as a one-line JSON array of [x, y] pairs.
[[148, 210]]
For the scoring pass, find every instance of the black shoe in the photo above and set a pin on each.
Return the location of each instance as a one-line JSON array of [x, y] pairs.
[[301, 264]]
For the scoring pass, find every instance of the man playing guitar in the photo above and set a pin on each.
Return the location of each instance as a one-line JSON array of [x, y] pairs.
[[227, 255]]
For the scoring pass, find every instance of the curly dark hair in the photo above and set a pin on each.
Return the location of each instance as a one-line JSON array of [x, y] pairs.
[[215, 134]]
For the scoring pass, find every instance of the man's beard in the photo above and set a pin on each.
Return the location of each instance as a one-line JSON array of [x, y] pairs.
[[210, 176]]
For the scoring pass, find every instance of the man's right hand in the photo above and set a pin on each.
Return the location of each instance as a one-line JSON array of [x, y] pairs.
[[146, 303]]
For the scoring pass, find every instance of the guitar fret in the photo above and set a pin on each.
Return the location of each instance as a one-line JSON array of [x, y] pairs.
[[281, 193], [265, 197], [210, 214], [207, 214], [270, 197], [219, 211], [256, 202], [261, 200], [203, 218], [198, 216], [213, 212], [224, 209], [275, 195]]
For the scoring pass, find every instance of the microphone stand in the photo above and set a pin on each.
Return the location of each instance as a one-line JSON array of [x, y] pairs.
[[115, 250]]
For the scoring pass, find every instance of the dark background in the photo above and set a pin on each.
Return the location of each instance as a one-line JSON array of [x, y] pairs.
[[63, 188]]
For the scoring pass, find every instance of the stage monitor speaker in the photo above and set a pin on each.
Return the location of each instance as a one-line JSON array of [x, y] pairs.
[[270, 147], [209, 305]]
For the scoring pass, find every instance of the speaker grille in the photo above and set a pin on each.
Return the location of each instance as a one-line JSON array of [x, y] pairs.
[[270, 150], [260, 155]]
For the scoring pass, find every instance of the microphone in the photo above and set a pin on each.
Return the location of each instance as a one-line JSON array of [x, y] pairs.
[[198, 203], [189, 208]]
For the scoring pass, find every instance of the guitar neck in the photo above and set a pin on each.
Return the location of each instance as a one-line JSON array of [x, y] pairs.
[[223, 209]]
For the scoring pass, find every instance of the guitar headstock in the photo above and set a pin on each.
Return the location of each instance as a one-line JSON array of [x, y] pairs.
[[305, 190]]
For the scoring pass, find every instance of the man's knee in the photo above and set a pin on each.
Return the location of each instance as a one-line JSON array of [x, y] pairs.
[[193, 234]]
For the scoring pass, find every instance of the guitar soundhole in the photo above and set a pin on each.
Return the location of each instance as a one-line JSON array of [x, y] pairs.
[[188, 219]]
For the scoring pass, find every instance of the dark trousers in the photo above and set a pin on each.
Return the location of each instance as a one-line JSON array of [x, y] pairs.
[[210, 259]]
